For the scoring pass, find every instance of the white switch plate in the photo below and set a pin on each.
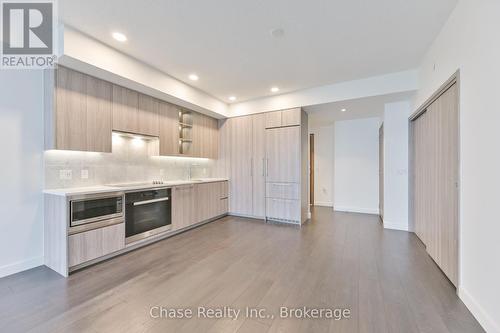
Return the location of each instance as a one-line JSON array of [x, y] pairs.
[[162, 172], [65, 174], [85, 174]]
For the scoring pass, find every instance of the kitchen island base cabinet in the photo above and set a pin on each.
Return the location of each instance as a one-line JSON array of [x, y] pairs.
[[89, 245]]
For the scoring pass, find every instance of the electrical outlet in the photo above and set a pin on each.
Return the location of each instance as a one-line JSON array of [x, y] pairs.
[[65, 174], [85, 174]]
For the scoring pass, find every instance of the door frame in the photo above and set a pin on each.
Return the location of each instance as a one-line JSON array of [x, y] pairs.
[[311, 169], [454, 79]]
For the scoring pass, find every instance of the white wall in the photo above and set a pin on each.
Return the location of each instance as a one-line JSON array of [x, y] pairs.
[[356, 165], [470, 42], [21, 205], [323, 165], [396, 165]]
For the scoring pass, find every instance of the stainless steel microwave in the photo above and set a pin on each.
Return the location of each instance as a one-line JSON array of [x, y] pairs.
[[96, 207]]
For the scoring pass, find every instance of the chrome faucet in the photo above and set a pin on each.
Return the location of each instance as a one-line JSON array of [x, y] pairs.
[[190, 170]]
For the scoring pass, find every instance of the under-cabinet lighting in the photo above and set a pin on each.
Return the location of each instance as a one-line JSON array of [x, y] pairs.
[[275, 89]]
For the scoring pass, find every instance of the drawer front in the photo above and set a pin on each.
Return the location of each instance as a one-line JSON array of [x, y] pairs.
[[95, 243], [285, 210], [224, 189], [223, 207], [290, 191]]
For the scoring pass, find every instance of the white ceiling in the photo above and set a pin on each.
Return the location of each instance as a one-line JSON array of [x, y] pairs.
[[229, 45], [326, 114]]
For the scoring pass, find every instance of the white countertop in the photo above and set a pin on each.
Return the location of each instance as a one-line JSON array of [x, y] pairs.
[[71, 191]]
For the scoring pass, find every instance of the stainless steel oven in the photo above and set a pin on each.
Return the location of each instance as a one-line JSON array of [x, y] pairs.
[[93, 211], [147, 213]]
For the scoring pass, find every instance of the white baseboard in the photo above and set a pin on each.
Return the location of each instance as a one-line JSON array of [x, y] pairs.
[[355, 209], [478, 312], [395, 225], [20, 266], [323, 203]]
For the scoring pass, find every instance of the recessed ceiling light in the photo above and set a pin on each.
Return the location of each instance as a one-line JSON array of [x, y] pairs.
[[343, 110], [232, 98], [275, 89], [193, 77], [277, 33], [119, 36]]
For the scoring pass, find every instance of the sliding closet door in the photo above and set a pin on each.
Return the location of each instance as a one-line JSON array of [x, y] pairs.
[[435, 180], [447, 192]]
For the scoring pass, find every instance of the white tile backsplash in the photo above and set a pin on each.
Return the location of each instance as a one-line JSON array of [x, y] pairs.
[[132, 160]]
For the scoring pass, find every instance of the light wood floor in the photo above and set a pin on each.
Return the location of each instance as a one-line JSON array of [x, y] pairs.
[[339, 260]]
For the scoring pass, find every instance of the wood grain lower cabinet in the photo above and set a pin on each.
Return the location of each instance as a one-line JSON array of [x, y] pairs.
[[196, 203], [96, 243], [211, 199], [183, 207]]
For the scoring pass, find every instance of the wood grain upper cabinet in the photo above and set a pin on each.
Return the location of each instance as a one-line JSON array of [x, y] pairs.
[[283, 154], [283, 118], [99, 119], [273, 119], [77, 111], [291, 117], [148, 121], [125, 109], [134, 112], [169, 129], [205, 136]]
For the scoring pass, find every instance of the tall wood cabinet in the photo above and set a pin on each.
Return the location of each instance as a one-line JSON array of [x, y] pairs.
[[435, 174], [241, 165], [265, 165], [258, 165]]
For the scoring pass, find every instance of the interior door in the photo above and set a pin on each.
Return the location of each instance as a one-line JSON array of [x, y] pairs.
[[283, 155], [435, 143], [241, 195], [258, 160]]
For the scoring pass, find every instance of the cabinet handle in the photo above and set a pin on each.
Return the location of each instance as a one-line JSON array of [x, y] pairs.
[[263, 167], [251, 167], [267, 167]]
